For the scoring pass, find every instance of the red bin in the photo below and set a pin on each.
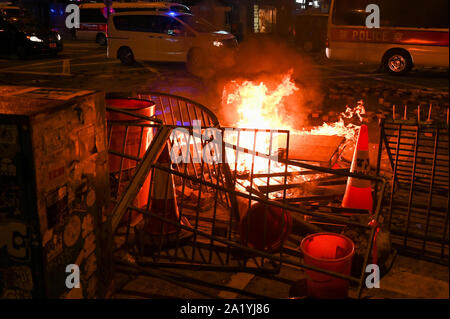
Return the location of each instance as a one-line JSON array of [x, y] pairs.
[[329, 251], [265, 227]]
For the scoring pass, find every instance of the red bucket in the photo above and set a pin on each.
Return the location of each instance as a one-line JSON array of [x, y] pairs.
[[256, 233], [133, 140], [329, 251]]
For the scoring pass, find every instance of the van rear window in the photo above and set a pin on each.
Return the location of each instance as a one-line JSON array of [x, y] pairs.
[[132, 23], [398, 13], [146, 23]]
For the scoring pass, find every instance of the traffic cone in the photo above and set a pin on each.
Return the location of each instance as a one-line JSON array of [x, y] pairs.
[[163, 201], [358, 193]]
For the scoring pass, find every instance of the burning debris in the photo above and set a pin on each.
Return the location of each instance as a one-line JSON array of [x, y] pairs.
[[259, 106], [265, 106]]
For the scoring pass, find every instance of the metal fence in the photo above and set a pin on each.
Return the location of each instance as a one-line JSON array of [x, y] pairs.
[[195, 213], [417, 209]]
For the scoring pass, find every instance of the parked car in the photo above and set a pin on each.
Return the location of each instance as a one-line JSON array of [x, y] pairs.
[[24, 37], [167, 37], [10, 10]]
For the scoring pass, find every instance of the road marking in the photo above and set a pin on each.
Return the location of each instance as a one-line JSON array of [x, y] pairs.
[[35, 73], [98, 63], [73, 64], [348, 76], [93, 56], [31, 65], [81, 45]]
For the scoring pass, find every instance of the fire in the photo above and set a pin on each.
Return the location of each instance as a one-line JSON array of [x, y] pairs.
[[259, 107], [349, 131]]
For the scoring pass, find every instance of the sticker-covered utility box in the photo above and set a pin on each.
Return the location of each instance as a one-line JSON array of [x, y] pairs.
[[54, 194]]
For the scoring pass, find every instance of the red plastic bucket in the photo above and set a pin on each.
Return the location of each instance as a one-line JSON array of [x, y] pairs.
[[256, 233], [133, 140], [329, 251]]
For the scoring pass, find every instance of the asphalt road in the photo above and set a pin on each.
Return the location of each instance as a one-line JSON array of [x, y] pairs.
[[84, 65]]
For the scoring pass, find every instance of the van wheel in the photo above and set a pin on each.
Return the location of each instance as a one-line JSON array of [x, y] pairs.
[[101, 39], [126, 56], [397, 62]]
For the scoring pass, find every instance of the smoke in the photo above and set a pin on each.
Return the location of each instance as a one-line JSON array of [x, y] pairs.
[[268, 60]]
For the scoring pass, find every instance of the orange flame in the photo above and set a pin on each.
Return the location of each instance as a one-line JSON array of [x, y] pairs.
[[349, 131], [258, 107]]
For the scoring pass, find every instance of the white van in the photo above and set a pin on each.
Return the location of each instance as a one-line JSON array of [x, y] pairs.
[[93, 16], [166, 37]]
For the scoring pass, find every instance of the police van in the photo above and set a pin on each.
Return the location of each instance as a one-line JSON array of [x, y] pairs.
[[411, 33]]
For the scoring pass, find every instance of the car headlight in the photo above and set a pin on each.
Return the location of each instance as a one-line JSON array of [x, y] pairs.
[[218, 44], [34, 38], [58, 37]]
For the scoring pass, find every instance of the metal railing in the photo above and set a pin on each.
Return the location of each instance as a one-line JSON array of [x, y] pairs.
[[418, 201], [204, 230]]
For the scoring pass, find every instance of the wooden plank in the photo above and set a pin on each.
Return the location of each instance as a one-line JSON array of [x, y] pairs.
[[314, 148]]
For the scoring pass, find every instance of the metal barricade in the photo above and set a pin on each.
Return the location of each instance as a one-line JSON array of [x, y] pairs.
[[194, 214], [417, 209]]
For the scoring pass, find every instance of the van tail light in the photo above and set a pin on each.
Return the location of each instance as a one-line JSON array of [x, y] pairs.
[[327, 43]]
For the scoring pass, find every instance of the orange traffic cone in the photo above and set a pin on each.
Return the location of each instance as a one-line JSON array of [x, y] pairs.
[[163, 200], [358, 193]]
